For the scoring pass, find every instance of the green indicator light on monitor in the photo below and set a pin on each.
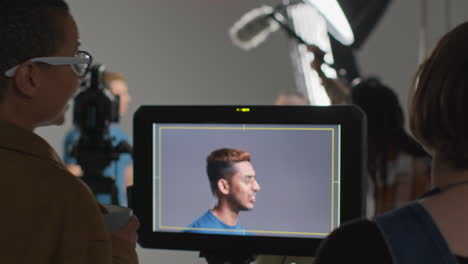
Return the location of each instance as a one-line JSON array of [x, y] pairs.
[[243, 109]]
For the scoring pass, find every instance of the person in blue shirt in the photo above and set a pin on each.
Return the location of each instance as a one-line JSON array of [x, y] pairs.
[[120, 170], [233, 183]]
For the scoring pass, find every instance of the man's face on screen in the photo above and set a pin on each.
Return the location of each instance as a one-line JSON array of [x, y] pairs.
[[243, 187]]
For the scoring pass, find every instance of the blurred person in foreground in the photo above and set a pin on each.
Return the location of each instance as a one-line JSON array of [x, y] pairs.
[[48, 215]]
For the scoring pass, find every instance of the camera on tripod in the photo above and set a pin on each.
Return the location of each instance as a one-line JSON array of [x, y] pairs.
[[95, 108]]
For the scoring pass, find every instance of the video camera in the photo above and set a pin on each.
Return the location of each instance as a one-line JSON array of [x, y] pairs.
[[95, 108]]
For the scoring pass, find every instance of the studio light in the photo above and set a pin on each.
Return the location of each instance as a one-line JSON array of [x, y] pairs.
[[337, 23]]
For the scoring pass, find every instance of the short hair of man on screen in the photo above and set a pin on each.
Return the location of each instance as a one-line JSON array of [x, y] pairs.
[[233, 183]]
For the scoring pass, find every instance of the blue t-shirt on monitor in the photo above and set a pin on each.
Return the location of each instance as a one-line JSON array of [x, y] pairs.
[[210, 224]]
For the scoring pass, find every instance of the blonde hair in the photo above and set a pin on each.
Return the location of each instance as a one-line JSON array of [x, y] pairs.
[[112, 76]]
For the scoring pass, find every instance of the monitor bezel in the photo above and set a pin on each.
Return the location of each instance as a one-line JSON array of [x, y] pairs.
[[353, 167]]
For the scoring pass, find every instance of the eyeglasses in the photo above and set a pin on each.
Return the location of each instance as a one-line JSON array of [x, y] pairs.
[[80, 63]]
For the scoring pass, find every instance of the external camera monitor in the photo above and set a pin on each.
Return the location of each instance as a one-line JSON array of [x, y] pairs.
[[246, 179]]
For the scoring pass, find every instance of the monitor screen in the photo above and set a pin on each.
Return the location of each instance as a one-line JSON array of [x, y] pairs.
[[296, 168], [210, 177]]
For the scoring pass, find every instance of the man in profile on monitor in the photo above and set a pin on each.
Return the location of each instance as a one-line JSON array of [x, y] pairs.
[[233, 183]]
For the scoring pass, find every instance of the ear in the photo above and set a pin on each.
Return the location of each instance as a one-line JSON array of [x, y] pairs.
[[223, 186], [26, 79]]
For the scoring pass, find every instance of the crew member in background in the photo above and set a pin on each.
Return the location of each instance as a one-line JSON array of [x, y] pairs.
[[120, 170]]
